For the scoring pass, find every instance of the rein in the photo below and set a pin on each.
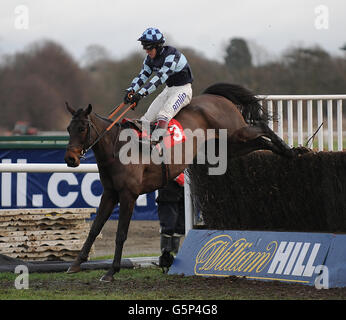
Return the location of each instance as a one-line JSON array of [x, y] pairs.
[[164, 167], [100, 136]]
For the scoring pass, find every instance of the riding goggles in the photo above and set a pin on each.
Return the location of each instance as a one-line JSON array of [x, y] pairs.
[[148, 46]]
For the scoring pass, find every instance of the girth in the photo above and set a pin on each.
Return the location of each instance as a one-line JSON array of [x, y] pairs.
[[137, 125]]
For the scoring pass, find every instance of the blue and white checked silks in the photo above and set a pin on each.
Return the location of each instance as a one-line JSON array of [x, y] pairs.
[[171, 67]]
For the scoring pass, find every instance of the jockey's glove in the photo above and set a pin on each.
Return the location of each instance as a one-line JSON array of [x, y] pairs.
[[135, 98], [128, 96]]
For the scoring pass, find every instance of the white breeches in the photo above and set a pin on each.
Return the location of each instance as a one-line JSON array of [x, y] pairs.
[[168, 103]]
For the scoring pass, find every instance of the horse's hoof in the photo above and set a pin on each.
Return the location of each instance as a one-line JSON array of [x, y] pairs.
[[106, 278], [73, 269], [301, 150]]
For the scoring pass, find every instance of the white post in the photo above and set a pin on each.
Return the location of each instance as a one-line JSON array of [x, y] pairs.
[[339, 125], [280, 120], [300, 122], [270, 114], [189, 212], [310, 125], [330, 124], [320, 123], [290, 123]]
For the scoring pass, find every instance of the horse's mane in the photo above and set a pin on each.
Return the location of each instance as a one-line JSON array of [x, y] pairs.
[[248, 104]]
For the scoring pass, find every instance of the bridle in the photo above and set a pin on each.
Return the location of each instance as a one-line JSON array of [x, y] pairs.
[[84, 148], [87, 145]]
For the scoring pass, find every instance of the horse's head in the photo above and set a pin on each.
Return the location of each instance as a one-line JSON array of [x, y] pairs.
[[79, 131]]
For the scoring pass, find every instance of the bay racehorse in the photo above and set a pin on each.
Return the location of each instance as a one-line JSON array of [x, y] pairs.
[[221, 106]]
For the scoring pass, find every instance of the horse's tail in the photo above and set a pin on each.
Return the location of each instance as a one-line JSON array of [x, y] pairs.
[[247, 103]]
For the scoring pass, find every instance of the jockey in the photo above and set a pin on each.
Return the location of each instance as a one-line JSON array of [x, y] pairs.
[[171, 212], [170, 67]]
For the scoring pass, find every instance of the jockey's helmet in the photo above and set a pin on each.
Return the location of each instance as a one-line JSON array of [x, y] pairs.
[[152, 38]]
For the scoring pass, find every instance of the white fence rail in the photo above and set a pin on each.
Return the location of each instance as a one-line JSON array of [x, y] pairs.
[[307, 113], [46, 167]]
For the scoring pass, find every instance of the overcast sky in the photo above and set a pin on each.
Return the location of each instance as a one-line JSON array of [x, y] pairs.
[[205, 25]]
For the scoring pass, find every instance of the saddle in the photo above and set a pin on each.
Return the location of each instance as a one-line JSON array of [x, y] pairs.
[[174, 134], [137, 125]]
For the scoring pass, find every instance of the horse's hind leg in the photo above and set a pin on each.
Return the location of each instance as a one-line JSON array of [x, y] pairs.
[[281, 147], [127, 203], [260, 143], [107, 204], [252, 138]]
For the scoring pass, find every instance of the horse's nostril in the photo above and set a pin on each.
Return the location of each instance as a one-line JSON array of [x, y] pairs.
[[70, 160]]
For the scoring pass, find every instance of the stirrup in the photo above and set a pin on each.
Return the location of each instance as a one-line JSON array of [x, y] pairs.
[[158, 134], [157, 145], [155, 142]]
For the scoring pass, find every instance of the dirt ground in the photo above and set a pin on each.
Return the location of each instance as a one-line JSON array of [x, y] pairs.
[[143, 238]]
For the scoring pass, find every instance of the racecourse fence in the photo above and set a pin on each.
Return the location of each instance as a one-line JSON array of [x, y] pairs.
[[309, 113], [314, 121], [264, 191]]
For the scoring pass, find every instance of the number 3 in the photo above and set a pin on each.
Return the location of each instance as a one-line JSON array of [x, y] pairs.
[[178, 136]]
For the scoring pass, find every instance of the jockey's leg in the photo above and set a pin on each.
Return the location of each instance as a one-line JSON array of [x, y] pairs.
[[156, 105], [178, 97]]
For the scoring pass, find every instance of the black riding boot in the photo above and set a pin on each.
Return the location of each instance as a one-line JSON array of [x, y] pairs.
[[166, 243], [166, 259], [175, 244]]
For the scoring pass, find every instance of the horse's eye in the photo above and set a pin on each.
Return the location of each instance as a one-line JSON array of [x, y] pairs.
[[81, 129]]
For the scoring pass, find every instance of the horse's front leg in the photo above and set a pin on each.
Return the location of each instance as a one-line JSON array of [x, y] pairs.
[[284, 149], [127, 203], [107, 204], [252, 138]]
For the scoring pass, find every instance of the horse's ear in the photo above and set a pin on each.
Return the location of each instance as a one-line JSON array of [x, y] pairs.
[[88, 110], [71, 110]]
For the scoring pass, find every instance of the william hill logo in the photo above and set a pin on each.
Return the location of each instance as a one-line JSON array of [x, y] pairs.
[[221, 256]]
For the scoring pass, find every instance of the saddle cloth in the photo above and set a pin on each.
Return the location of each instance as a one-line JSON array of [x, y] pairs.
[[174, 135]]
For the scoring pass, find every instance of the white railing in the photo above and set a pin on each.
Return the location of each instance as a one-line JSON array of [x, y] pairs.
[[313, 107], [46, 167]]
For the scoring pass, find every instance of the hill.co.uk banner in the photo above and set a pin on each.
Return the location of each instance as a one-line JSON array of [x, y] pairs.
[[58, 190]]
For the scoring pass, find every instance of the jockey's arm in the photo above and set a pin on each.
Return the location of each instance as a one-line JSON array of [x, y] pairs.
[[143, 76], [161, 76]]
